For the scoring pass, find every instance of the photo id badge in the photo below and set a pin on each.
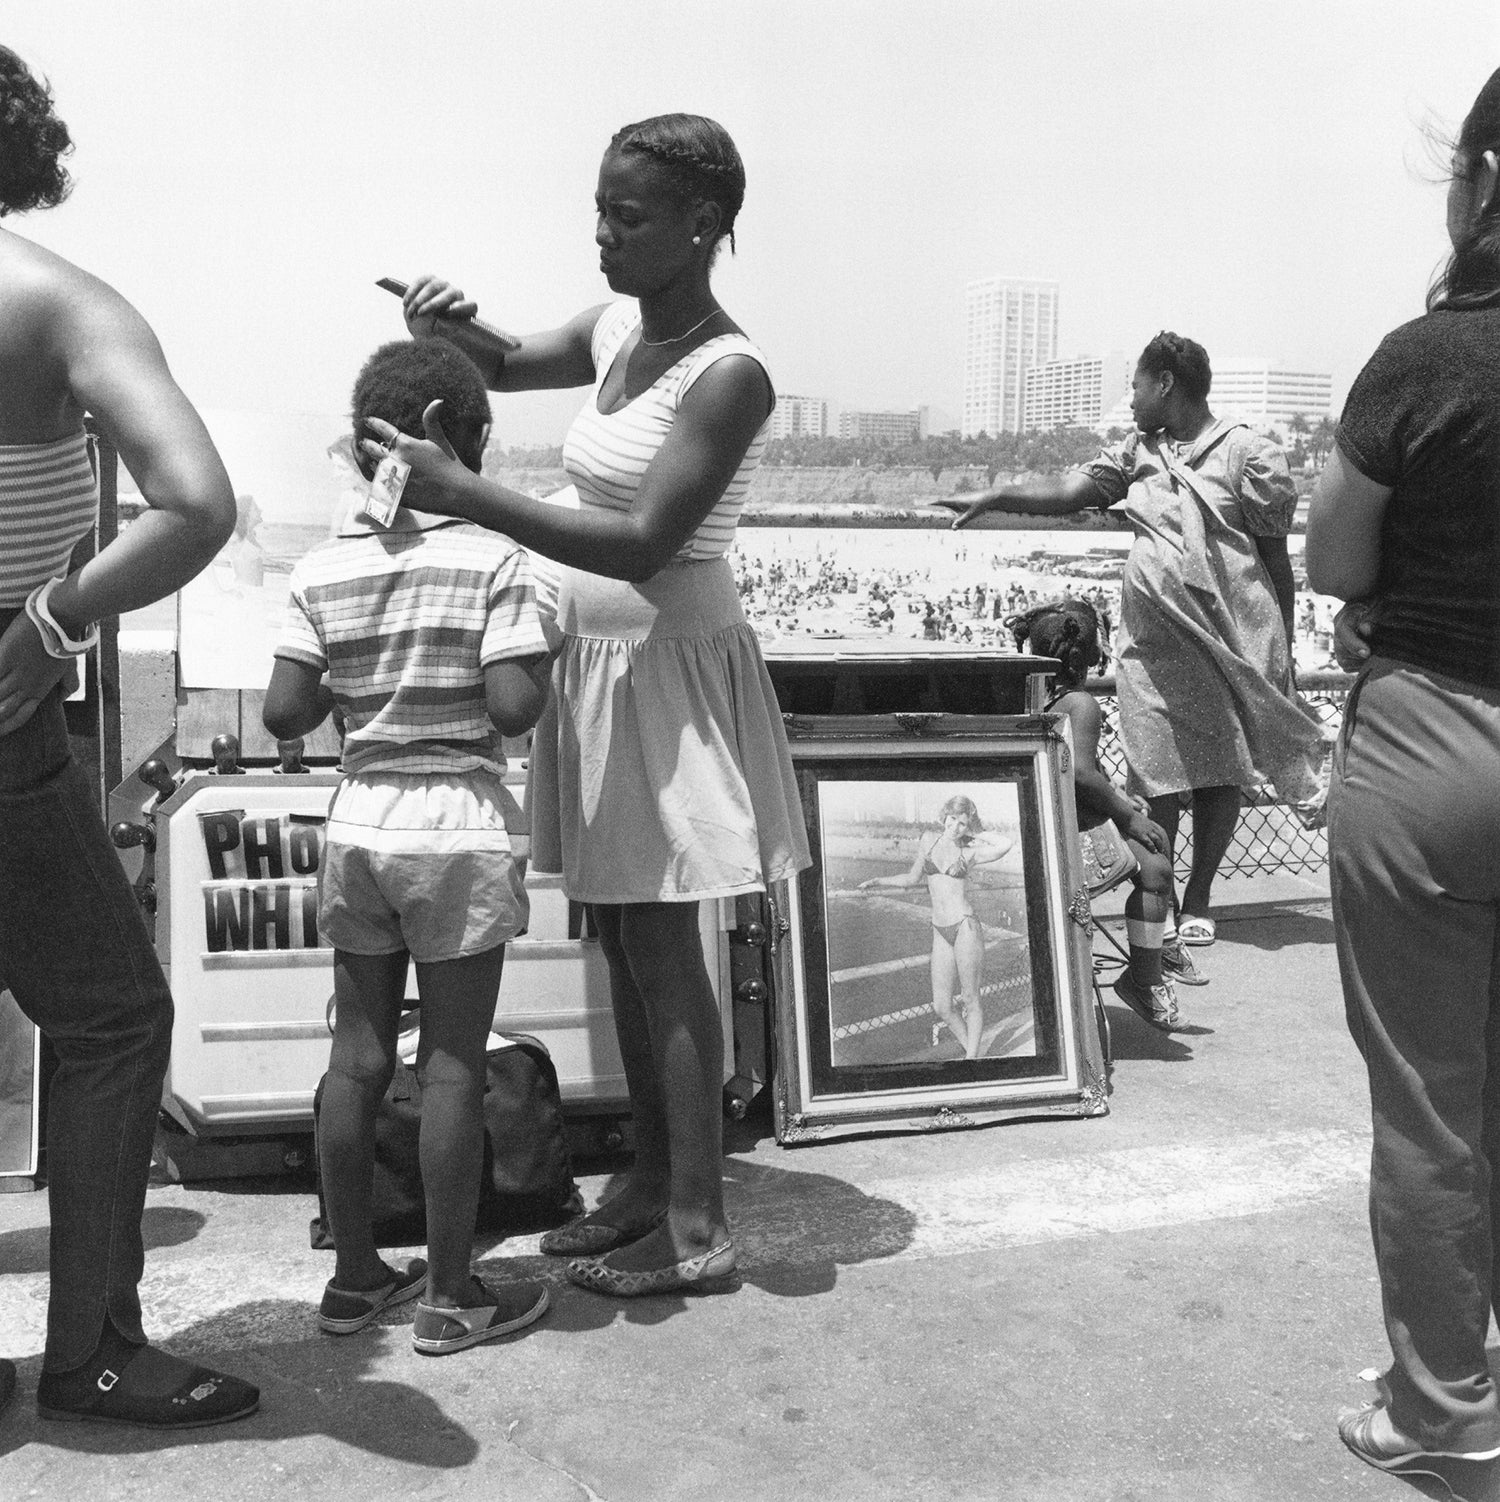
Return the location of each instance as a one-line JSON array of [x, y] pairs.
[[384, 495]]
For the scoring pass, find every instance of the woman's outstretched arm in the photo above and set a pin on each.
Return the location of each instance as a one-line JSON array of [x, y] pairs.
[[1052, 495]]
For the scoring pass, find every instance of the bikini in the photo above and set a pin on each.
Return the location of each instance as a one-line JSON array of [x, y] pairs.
[[959, 868]]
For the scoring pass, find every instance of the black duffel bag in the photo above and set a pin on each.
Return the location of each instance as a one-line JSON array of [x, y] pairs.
[[527, 1181]]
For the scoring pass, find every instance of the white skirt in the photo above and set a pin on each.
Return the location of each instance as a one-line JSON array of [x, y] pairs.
[[660, 771]]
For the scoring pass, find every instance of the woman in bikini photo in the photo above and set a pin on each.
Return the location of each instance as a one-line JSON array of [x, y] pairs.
[[945, 857]]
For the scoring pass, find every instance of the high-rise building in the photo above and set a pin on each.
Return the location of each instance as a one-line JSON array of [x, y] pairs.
[[1261, 393], [1011, 327], [799, 417], [884, 427], [1074, 393]]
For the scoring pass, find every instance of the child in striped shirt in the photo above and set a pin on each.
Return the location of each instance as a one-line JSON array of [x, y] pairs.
[[425, 636]]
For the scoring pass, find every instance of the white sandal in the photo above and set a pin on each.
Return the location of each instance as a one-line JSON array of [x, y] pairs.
[[1196, 931]]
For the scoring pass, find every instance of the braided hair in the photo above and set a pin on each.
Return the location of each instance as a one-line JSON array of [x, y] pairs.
[[32, 141], [1185, 358], [1069, 630], [697, 158]]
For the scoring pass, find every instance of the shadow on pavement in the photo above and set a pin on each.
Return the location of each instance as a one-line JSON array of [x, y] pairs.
[[298, 1396], [792, 1230], [1281, 930], [25, 1250], [1132, 1037]]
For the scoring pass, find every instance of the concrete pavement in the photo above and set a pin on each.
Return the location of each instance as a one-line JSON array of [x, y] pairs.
[[1170, 1302]]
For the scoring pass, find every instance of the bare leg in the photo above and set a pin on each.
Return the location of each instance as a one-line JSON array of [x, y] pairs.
[[648, 1187], [664, 956], [1216, 811], [458, 1008], [944, 980], [368, 992], [968, 952]]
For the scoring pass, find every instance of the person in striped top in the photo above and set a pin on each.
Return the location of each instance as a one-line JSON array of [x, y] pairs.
[[663, 777], [71, 345], [425, 636]]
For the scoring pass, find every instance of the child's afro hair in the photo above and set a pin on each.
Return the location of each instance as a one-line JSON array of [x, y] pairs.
[[401, 378]]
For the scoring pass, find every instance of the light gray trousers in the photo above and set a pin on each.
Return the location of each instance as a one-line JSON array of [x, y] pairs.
[[1414, 845]]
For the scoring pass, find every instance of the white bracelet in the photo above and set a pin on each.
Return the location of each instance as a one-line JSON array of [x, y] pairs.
[[57, 641]]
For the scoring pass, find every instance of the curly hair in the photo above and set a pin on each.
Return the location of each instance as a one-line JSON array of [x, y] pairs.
[[698, 159], [32, 141], [1185, 358], [1069, 630], [399, 380], [961, 803]]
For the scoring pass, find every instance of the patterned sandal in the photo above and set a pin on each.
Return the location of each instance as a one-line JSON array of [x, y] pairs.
[[713, 1271]]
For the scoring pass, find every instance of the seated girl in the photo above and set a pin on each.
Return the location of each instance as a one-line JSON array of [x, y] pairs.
[[1117, 833]]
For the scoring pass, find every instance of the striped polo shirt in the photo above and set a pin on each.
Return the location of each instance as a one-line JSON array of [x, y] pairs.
[[404, 621], [48, 500], [606, 454]]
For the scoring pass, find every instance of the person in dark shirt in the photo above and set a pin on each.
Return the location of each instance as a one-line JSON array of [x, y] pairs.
[[1406, 522]]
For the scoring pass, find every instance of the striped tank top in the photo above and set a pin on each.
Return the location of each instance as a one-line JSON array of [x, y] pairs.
[[605, 454], [48, 500]]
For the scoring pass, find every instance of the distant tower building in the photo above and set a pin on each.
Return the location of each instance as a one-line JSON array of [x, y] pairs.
[[799, 417], [1261, 393], [884, 427], [1011, 327], [1074, 393]]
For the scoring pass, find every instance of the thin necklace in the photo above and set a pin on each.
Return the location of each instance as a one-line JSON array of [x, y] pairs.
[[677, 338]]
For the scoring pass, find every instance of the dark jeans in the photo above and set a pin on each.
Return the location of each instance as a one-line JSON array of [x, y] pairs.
[[1414, 845], [75, 952]]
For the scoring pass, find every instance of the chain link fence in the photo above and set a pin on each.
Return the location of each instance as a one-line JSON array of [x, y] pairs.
[[1267, 837]]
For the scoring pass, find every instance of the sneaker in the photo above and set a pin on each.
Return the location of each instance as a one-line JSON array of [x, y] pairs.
[[1178, 967], [502, 1311], [1154, 1004], [345, 1310]]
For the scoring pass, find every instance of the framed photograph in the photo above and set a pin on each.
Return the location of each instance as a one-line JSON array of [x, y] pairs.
[[934, 968]]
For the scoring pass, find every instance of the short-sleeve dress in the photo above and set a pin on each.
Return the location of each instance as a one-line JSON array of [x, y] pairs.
[[1204, 667], [660, 772]]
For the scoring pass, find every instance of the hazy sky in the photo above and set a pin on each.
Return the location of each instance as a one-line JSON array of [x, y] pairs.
[[1254, 175]]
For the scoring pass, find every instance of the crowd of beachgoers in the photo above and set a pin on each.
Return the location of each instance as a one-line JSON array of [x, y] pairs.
[[818, 597]]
